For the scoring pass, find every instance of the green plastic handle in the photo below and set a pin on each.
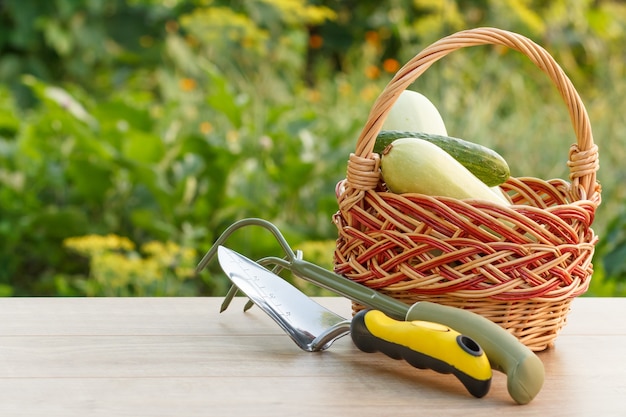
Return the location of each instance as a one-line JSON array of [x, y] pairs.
[[524, 370], [424, 345]]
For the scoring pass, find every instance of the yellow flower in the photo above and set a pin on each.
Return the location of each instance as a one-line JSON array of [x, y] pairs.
[[206, 128], [92, 244], [146, 41], [345, 89], [117, 269], [319, 252], [369, 92], [372, 72]]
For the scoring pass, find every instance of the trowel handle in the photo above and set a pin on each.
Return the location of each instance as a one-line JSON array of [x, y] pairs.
[[424, 345], [524, 370]]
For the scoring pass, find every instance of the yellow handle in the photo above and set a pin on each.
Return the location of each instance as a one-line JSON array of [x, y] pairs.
[[424, 345]]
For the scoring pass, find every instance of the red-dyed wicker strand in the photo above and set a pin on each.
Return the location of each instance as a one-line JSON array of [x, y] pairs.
[[518, 265]]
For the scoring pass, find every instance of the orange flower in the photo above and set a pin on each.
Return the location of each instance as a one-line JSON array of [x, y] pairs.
[[372, 37], [192, 41], [314, 96], [247, 42], [391, 65], [501, 50], [171, 26], [187, 84], [372, 72], [206, 128], [316, 41]]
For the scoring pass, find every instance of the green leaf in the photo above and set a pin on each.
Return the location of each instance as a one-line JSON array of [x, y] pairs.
[[6, 290], [57, 37], [61, 98], [60, 222], [615, 263], [142, 147], [90, 177], [117, 115], [223, 98], [9, 121], [148, 220]]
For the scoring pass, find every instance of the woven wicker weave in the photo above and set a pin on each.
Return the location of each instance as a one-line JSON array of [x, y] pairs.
[[520, 266]]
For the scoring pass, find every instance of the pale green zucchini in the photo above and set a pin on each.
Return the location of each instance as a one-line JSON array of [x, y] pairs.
[[488, 165], [411, 165]]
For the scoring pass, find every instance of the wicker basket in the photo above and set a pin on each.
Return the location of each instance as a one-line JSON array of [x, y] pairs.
[[519, 266]]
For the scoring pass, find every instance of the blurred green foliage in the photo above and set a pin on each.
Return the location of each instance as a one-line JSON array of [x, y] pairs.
[[167, 120]]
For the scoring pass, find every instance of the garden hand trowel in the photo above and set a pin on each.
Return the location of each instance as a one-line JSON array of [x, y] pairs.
[[313, 327], [524, 370], [310, 325]]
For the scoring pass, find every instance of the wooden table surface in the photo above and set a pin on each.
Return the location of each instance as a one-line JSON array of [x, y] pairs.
[[180, 357]]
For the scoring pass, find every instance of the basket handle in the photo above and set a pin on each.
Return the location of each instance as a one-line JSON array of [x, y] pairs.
[[583, 156]]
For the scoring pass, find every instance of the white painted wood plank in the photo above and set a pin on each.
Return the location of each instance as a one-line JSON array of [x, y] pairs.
[[171, 357]]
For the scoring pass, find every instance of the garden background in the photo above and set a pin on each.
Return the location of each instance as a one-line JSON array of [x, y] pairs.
[[133, 132]]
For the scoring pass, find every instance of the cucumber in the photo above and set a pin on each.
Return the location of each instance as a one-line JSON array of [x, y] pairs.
[[412, 165], [488, 165]]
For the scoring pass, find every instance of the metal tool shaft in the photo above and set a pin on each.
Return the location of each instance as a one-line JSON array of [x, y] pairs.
[[349, 289]]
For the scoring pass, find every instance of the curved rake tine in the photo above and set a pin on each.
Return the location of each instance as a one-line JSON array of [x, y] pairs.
[[289, 253]]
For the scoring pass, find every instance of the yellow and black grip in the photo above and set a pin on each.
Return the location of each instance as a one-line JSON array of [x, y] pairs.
[[424, 345]]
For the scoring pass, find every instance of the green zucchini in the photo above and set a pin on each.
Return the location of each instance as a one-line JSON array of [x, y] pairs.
[[486, 164], [411, 165]]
